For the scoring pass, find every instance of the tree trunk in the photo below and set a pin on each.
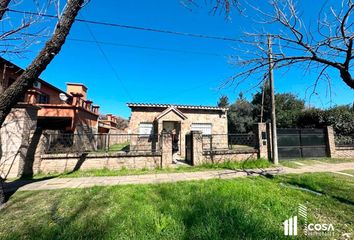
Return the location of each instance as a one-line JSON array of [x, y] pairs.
[[11, 95], [3, 7], [347, 77]]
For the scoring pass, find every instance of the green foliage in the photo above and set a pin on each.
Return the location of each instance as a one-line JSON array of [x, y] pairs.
[[243, 114], [240, 119], [287, 106], [341, 118], [290, 112], [223, 101]]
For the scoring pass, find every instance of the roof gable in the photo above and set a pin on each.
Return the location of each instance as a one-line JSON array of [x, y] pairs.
[[174, 110]]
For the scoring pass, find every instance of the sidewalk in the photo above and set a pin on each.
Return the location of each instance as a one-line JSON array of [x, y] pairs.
[[59, 183]]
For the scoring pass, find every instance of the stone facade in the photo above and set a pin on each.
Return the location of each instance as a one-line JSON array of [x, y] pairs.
[[343, 152], [229, 156], [183, 116], [59, 163]]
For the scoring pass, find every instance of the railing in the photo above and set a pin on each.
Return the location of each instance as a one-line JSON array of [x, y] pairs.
[[344, 140], [79, 143], [229, 142]]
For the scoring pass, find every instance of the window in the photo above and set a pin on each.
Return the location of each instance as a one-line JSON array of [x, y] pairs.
[[43, 99], [205, 128], [145, 128]]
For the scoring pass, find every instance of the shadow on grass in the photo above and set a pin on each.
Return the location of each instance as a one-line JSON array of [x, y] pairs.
[[308, 187], [74, 222], [11, 188]]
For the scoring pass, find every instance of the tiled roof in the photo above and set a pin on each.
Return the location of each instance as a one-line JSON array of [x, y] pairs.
[[176, 105]]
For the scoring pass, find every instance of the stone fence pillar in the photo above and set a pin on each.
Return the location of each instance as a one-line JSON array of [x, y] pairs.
[[166, 150], [197, 148], [331, 142], [16, 136], [263, 140]]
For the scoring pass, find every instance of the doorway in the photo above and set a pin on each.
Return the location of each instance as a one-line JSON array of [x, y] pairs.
[[169, 126]]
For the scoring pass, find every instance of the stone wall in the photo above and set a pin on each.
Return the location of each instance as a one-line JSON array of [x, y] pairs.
[[344, 152], [59, 163], [338, 151], [228, 156]]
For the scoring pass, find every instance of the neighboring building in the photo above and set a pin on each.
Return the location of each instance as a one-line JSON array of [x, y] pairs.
[[152, 119], [72, 113], [43, 109], [112, 124]]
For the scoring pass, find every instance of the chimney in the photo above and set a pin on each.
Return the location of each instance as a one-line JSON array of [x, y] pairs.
[[89, 105], [109, 117], [95, 109], [77, 88]]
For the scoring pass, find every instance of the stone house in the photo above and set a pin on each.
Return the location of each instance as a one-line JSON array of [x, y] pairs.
[[153, 119]]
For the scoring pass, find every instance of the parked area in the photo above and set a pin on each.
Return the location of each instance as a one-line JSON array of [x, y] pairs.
[[212, 209]]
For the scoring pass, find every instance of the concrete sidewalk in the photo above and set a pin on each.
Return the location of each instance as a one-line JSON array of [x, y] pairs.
[[82, 182]]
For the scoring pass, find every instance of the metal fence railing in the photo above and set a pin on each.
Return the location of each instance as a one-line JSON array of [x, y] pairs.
[[229, 141], [344, 140], [78, 143]]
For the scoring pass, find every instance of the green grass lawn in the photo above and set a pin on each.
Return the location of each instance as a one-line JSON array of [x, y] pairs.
[[249, 164], [116, 147], [308, 161], [349, 171], [244, 208]]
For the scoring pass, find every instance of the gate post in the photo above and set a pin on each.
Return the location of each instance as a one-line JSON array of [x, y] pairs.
[[331, 142], [197, 148], [166, 150], [262, 140]]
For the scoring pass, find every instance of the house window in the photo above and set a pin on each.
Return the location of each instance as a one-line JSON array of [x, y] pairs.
[[205, 128], [145, 128], [43, 99]]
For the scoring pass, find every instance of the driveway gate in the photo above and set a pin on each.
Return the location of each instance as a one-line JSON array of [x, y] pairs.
[[302, 143]]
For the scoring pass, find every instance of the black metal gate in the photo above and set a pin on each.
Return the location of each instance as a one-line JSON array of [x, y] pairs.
[[302, 143]]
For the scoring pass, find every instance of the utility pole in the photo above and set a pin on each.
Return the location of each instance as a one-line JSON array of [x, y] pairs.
[[272, 100], [262, 106]]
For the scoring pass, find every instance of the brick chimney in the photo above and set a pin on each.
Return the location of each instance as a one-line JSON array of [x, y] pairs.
[[77, 88]]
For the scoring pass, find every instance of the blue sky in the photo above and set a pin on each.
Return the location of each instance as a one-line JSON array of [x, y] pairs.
[[191, 73]]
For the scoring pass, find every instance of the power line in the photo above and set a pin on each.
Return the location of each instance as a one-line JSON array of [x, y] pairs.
[[195, 35], [149, 48], [131, 45], [109, 62]]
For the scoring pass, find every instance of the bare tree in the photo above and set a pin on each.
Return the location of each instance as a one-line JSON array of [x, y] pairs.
[[18, 35], [327, 45], [11, 95], [221, 6]]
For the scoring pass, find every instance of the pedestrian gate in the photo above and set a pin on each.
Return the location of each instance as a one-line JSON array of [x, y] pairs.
[[302, 143]]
